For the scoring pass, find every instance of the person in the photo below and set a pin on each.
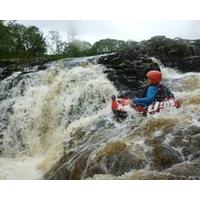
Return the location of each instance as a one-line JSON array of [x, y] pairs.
[[155, 91], [150, 100]]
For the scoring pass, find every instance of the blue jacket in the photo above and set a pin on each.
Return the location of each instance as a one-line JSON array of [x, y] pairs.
[[149, 96]]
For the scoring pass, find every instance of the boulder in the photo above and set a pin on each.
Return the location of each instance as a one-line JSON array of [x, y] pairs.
[[165, 157], [193, 148], [116, 159], [128, 69], [130, 66], [188, 170], [9, 66]]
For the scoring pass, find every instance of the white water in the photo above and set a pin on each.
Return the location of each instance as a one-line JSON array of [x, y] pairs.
[[44, 109], [38, 125]]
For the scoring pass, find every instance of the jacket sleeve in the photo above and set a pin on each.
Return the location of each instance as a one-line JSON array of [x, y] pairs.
[[150, 96]]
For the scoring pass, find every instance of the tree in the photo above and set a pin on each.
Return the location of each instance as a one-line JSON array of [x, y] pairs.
[[108, 45], [33, 41], [20, 41], [131, 44], [3, 38], [55, 45], [71, 35]]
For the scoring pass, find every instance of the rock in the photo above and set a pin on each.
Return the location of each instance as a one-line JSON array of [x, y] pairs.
[[116, 159], [1, 142], [193, 147], [165, 157], [78, 168], [129, 69], [178, 141], [180, 54], [192, 130], [9, 66], [145, 174], [59, 171], [128, 161], [155, 141], [185, 169]]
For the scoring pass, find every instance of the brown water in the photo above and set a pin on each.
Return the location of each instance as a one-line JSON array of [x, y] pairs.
[[62, 127]]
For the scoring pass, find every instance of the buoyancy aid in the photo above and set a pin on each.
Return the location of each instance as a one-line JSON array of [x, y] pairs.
[[163, 93]]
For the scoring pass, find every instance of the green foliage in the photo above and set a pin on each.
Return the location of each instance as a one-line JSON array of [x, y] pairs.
[[20, 41], [108, 45], [72, 50]]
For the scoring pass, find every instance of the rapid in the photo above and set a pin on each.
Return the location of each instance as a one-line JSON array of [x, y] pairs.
[[58, 124]]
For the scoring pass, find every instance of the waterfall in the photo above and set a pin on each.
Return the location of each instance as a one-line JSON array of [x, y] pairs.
[[59, 120]]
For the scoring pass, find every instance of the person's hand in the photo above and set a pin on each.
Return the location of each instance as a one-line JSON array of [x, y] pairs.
[[134, 99]]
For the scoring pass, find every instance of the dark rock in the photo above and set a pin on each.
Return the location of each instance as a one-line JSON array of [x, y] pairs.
[[59, 171], [193, 147], [178, 141], [1, 136], [130, 69], [155, 141], [9, 66], [116, 159], [165, 157], [126, 162], [185, 169], [180, 54], [144, 174], [192, 130], [78, 168]]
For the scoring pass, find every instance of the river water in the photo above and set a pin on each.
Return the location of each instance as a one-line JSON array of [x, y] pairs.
[[57, 124]]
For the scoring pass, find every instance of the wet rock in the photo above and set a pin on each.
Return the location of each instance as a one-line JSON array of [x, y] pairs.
[[79, 151], [178, 141], [9, 66], [165, 157], [193, 147], [192, 130], [131, 65], [130, 68], [116, 159], [178, 53], [59, 171], [185, 169], [128, 161], [78, 168], [2, 97], [1, 142], [111, 149], [144, 174], [155, 141]]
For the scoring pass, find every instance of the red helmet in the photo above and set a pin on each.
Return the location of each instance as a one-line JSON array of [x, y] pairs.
[[154, 76]]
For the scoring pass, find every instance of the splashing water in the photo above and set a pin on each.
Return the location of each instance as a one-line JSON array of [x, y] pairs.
[[57, 124], [42, 105]]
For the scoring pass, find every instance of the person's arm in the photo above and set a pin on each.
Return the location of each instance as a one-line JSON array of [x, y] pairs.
[[150, 97]]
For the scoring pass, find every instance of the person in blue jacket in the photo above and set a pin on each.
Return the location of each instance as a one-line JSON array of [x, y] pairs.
[[154, 91]]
